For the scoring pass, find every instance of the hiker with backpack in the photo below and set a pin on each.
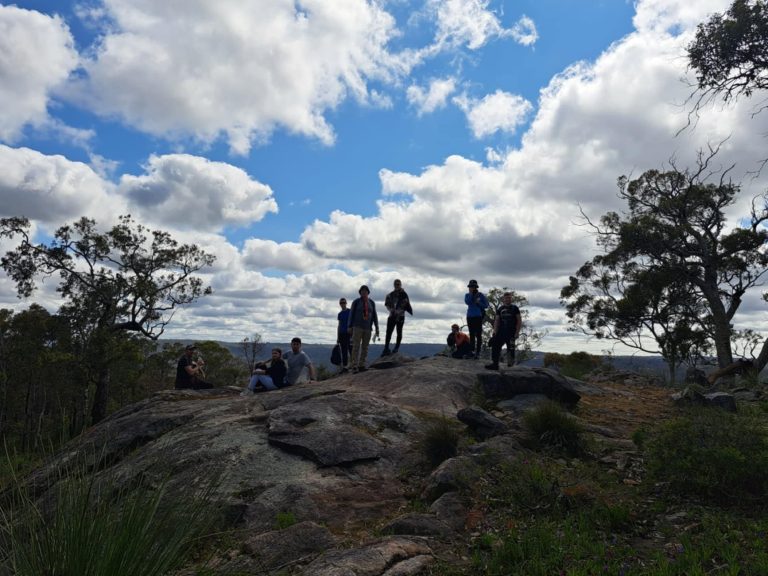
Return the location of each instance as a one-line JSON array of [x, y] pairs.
[[506, 329], [397, 303], [476, 305], [362, 319]]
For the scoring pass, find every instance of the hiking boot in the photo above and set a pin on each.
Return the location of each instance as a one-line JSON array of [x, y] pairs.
[[492, 366], [395, 349], [385, 352]]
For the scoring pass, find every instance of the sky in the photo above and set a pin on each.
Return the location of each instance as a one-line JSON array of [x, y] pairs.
[[314, 146]]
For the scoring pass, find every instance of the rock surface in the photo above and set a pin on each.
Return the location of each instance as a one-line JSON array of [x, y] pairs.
[[339, 457]]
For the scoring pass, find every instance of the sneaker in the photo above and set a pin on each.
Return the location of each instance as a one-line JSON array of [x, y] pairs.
[[492, 366], [395, 349], [246, 392], [385, 352], [344, 370]]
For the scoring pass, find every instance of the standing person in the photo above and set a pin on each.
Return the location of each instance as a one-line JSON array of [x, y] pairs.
[[362, 317], [189, 371], [506, 329], [270, 374], [397, 303], [458, 342], [476, 304], [296, 360], [343, 336]]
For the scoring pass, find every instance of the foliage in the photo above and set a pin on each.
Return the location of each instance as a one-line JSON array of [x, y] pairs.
[[251, 348], [551, 426], [670, 269], [284, 520], [728, 53], [712, 454], [574, 365], [221, 367], [124, 280], [529, 340], [440, 440], [95, 528]]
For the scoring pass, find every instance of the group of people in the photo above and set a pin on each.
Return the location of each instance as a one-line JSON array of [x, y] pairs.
[[358, 324]]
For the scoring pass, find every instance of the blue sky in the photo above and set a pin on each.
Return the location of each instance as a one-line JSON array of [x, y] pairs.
[[314, 146]]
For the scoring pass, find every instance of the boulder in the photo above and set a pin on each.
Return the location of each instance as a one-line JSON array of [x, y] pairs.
[[524, 380], [482, 424]]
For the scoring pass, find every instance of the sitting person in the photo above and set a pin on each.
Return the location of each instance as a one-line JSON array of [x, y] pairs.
[[270, 375], [189, 371], [297, 360], [459, 343]]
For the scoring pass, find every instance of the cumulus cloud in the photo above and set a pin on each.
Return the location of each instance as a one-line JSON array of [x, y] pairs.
[[259, 254], [52, 189], [434, 97], [497, 112], [470, 23], [241, 69], [38, 55], [193, 192]]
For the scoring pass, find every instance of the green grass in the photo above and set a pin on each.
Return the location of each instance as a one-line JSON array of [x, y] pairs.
[[550, 426], [440, 440], [90, 527]]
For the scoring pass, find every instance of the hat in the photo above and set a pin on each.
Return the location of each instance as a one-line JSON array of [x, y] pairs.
[[363, 287], [472, 284], [190, 347]]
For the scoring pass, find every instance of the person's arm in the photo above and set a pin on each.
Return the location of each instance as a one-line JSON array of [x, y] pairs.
[[518, 324], [311, 369], [375, 316], [468, 298], [350, 318]]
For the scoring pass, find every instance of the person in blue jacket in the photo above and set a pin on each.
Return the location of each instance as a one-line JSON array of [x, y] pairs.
[[476, 305]]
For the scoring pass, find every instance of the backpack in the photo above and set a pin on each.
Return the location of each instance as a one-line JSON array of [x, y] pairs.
[[336, 355]]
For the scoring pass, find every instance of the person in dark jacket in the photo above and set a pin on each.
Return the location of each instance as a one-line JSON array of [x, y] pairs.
[[189, 371], [362, 320], [397, 303], [458, 342], [506, 329], [270, 375], [343, 336]]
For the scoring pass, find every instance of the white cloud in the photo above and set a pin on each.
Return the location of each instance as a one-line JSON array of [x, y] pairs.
[[259, 254], [524, 31], [52, 189], [241, 69], [497, 112], [192, 192], [36, 55], [432, 98], [470, 23]]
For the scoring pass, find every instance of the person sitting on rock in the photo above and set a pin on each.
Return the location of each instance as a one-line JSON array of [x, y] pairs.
[[189, 371], [459, 343], [269, 375], [297, 360]]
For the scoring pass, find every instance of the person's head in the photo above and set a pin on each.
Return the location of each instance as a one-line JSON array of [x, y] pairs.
[[454, 327], [364, 291], [343, 303], [296, 344], [397, 284], [276, 353], [190, 350], [472, 285], [507, 297]]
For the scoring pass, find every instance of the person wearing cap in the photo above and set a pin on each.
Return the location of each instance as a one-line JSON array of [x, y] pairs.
[[362, 320], [189, 371], [476, 305], [397, 303], [458, 342]]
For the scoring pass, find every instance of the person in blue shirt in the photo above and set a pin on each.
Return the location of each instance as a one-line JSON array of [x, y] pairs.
[[476, 305], [343, 336]]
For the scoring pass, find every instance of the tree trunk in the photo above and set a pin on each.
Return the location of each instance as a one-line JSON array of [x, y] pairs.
[[99, 409], [762, 358]]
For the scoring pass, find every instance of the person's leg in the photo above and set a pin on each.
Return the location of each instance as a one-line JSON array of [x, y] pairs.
[[399, 328], [475, 327], [344, 342], [365, 338], [391, 322], [266, 381], [510, 350], [253, 383], [357, 339]]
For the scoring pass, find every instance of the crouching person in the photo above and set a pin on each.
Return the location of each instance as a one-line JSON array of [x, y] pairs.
[[459, 343], [270, 374]]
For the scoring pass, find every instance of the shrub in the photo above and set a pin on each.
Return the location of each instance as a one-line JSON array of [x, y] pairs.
[[284, 520], [550, 425], [440, 441], [93, 528], [574, 365], [712, 454]]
